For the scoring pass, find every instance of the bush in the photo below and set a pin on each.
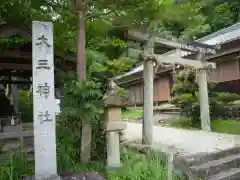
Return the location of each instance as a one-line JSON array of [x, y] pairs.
[[25, 101], [227, 98], [186, 92], [82, 102], [136, 166]]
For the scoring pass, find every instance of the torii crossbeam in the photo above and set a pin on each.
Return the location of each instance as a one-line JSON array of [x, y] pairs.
[[175, 59], [186, 46]]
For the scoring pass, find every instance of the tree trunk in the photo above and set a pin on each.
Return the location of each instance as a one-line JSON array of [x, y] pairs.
[[86, 136], [81, 46]]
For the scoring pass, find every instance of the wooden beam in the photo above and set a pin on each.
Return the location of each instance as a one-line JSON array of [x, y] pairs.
[[18, 73], [13, 135], [8, 66], [134, 53], [14, 82], [191, 46], [140, 77], [223, 53], [16, 55], [10, 30], [28, 56]]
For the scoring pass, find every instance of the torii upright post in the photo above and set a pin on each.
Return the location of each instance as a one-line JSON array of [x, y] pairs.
[[147, 125], [203, 94]]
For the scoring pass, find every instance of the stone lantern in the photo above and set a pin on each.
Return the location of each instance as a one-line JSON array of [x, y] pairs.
[[113, 125]]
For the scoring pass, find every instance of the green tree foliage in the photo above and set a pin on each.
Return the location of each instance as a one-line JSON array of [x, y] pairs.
[[172, 19], [10, 43], [219, 14], [186, 96], [22, 12], [101, 16], [83, 101], [187, 20], [25, 101]]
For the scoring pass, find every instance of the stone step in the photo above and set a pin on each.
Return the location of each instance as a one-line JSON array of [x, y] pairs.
[[231, 174], [203, 158], [216, 166]]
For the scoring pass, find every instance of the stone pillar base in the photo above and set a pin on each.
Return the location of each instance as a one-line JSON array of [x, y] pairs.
[[52, 177], [115, 168]]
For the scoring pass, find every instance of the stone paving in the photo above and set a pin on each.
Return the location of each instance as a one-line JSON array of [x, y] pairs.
[[186, 141]]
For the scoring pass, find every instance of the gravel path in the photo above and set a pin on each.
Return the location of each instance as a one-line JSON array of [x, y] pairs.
[[186, 141]]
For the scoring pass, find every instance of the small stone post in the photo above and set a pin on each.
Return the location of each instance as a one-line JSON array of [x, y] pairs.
[[14, 92], [112, 111]]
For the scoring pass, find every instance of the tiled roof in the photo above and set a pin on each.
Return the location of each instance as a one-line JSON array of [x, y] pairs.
[[220, 37]]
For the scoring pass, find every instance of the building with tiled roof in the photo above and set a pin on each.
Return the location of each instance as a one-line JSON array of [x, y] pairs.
[[226, 75]]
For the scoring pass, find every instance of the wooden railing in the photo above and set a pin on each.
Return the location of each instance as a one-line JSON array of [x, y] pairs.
[[227, 113], [15, 138]]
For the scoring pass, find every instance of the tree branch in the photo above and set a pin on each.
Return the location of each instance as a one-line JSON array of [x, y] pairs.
[[98, 15]]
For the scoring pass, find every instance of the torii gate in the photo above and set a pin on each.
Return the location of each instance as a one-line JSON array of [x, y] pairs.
[[149, 58]]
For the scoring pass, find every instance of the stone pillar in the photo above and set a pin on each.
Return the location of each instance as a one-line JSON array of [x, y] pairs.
[[203, 96], [148, 75], [148, 103], [14, 100], [113, 126]]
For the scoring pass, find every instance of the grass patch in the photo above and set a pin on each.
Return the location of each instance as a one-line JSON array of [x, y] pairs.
[[16, 167], [226, 126], [135, 167], [181, 122], [220, 126], [132, 112]]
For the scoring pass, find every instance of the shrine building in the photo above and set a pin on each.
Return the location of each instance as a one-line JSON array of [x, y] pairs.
[[226, 74]]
